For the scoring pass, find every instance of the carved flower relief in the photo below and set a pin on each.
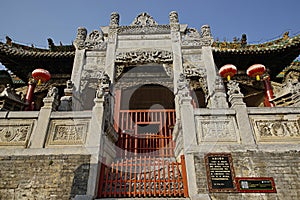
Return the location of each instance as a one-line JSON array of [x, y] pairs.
[[278, 128], [14, 133]]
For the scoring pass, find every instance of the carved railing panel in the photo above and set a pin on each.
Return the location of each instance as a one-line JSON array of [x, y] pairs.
[[217, 129], [15, 132], [67, 132], [276, 128]]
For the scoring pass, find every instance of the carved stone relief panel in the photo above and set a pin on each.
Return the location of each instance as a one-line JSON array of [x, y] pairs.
[[276, 128], [16, 132], [141, 56], [217, 129], [67, 132]]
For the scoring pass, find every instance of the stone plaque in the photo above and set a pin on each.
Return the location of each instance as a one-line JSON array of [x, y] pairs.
[[220, 172], [255, 184]]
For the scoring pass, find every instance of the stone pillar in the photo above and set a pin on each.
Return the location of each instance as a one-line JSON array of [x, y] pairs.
[[215, 86], [93, 145], [79, 61], [176, 47], [112, 45], [188, 132], [243, 121], [39, 134]]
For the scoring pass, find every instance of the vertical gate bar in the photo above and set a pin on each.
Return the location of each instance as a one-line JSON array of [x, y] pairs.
[[145, 166], [116, 179], [164, 176], [135, 176], [184, 176], [178, 179], [140, 176], [174, 177], [125, 161], [130, 177], [101, 178], [106, 182], [170, 177], [111, 180], [170, 146], [159, 179], [121, 178], [149, 175], [154, 174]]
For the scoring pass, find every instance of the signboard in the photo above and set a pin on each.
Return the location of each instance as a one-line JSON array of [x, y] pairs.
[[220, 173], [255, 184]]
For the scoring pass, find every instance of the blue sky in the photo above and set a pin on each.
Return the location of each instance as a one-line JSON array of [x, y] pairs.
[[33, 21]]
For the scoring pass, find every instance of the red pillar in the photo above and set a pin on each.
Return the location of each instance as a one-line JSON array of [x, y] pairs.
[[268, 92], [29, 95]]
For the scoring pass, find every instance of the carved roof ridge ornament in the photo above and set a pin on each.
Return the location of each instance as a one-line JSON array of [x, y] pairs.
[[143, 19]]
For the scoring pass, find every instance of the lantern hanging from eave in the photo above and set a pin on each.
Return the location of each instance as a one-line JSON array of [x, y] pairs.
[[256, 71], [41, 75], [228, 71]]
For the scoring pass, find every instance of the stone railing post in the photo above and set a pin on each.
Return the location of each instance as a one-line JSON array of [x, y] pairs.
[[243, 121], [189, 135], [39, 134]]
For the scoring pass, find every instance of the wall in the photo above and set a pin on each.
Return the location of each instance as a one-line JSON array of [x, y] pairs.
[[284, 167], [43, 176]]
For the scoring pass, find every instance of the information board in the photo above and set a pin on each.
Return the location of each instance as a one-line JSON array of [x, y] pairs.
[[255, 184], [220, 172]]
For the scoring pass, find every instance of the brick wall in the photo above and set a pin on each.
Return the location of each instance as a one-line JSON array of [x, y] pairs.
[[284, 167], [43, 176]]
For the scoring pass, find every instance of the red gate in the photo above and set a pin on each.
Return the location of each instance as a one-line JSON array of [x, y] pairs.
[[144, 177], [146, 132]]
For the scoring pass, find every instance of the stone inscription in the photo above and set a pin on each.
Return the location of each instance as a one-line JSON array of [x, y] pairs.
[[220, 174]]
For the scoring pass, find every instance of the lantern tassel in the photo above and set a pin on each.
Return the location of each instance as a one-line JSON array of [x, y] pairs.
[[257, 77], [39, 82], [228, 78]]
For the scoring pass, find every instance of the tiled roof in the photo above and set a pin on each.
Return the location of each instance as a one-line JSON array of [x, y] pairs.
[[267, 47]]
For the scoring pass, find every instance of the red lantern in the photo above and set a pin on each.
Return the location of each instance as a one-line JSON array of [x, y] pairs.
[[228, 71], [41, 75], [256, 70]]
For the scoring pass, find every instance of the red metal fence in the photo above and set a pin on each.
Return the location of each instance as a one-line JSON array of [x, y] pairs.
[[144, 177], [146, 132]]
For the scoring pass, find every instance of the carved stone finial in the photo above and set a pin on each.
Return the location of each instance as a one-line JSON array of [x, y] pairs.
[[95, 40], [206, 36], [233, 88], [51, 100], [103, 86], [114, 19], [143, 19], [173, 17], [52, 92], [80, 38], [205, 31]]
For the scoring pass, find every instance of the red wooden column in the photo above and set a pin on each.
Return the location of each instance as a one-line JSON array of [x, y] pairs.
[[29, 95], [268, 92]]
